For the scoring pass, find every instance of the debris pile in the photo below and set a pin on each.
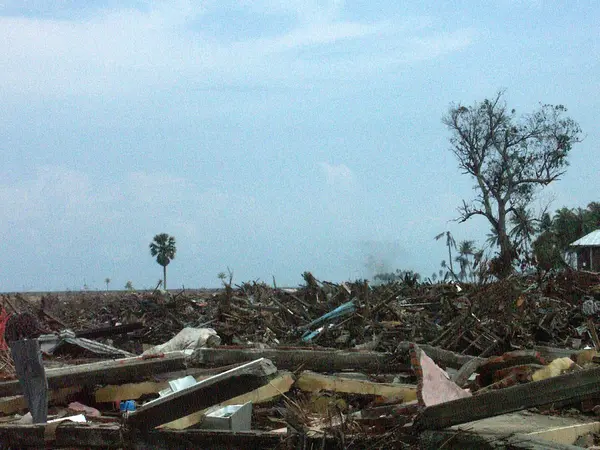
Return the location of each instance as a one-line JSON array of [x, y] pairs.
[[325, 365]]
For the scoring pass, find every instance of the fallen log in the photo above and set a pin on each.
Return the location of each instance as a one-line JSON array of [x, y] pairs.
[[203, 394], [575, 386], [303, 359]]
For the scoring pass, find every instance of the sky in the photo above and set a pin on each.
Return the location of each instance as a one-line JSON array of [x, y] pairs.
[[271, 137]]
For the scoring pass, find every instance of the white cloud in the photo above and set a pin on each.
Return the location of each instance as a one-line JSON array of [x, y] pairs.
[[337, 174], [123, 50]]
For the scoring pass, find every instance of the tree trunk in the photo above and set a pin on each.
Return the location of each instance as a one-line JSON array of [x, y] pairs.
[[165, 277], [506, 253]]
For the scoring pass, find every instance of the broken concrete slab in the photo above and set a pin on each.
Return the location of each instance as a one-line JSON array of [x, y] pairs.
[[433, 384], [445, 358], [209, 392]]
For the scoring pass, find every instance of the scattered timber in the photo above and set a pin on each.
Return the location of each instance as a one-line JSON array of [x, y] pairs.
[[105, 372], [203, 394], [575, 386], [303, 359], [315, 382]]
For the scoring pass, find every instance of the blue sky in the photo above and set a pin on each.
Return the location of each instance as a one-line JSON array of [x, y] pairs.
[[271, 137]]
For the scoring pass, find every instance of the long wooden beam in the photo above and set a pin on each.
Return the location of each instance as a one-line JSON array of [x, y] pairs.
[[105, 372], [203, 394], [294, 359], [575, 386], [315, 382], [113, 436]]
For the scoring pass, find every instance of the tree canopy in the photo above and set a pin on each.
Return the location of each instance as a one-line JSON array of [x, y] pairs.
[[556, 233], [510, 158]]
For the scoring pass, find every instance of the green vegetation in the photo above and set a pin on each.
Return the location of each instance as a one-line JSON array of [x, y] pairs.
[[557, 232]]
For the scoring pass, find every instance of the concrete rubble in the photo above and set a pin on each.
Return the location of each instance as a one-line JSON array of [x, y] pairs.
[[502, 364]]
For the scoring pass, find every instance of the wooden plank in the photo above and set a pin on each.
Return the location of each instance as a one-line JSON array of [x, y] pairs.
[[132, 391], [314, 382], [463, 440], [575, 386], [105, 372], [69, 436], [274, 389], [11, 405], [109, 331], [112, 436], [204, 394], [302, 358], [568, 434]]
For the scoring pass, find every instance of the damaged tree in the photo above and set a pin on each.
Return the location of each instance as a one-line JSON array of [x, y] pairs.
[[509, 158]]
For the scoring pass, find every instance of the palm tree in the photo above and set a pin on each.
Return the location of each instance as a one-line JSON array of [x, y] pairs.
[[450, 243], [524, 227], [465, 250], [163, 247], [107, 281]]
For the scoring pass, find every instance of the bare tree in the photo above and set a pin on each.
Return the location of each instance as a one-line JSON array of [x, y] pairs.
[[510, 158]]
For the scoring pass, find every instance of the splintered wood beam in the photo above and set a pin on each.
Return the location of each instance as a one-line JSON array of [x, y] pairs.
[[314, 382], [11, 405], [206, 393], [302, 358], [132, 391], [105, 372], [572, 387], [275, 388]]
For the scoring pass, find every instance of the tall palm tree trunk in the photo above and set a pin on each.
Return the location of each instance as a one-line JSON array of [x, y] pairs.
[[165, 278]]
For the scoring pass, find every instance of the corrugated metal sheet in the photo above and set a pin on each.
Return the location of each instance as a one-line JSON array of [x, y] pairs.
[[589, 240]]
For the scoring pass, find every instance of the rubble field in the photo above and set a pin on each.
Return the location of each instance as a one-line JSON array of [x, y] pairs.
[[504, 364]]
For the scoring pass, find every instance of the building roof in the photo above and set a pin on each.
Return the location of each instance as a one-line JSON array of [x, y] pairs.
[[589, 240]]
